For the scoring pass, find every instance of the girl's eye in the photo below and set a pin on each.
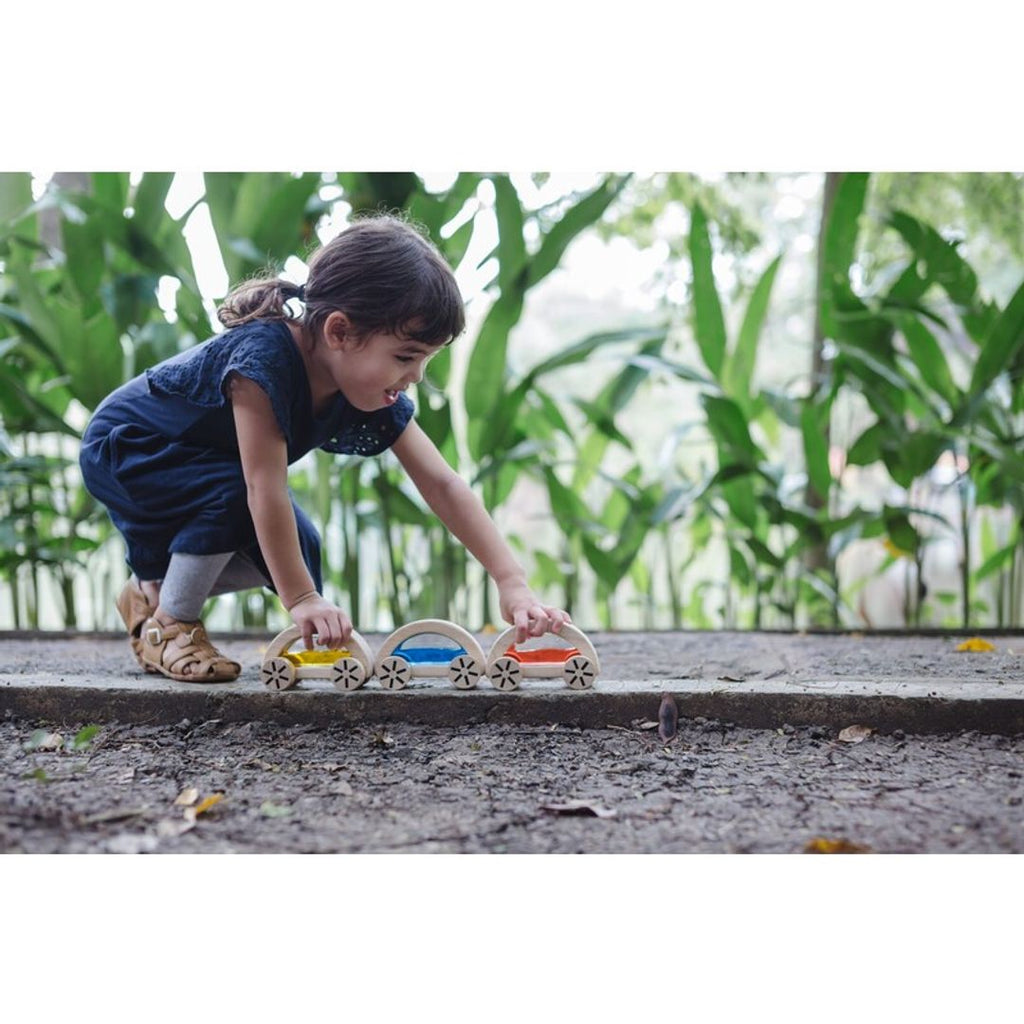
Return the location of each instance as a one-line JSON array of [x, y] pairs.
[[404, 359]]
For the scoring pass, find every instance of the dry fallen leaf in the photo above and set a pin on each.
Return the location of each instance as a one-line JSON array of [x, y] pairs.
[[580, 807], [855, 733], [822, 845], [43, 740], [187, 797], [975, 644], [668, 718]]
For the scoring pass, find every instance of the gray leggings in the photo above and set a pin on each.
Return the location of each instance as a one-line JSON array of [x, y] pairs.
[[191, 579]]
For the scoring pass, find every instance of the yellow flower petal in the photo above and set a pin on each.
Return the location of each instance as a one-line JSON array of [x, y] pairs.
[[822, 845], [207, 802]]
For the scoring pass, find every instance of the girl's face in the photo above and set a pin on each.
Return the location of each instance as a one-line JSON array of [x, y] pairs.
[[371, 373]]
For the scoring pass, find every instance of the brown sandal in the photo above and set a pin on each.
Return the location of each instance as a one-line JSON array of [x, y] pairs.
[[134, 608], [182, 651]]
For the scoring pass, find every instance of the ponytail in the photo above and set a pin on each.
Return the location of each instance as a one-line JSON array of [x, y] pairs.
[[261, 298]]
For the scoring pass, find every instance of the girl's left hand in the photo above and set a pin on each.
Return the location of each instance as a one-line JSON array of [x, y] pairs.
[[521, 608]]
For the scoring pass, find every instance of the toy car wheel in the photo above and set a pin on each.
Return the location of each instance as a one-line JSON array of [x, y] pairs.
[[579, 673], [394, 673], [348, 674], [278, 674], [505, 674], [464, 671]]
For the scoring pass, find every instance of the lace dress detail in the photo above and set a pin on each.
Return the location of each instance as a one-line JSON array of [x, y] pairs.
[[371, 433]]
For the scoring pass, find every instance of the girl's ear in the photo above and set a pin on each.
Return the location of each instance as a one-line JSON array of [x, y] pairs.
[[338, 330]]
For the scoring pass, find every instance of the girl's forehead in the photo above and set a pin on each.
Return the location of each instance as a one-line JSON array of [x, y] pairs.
[[413, 332], [405, 341]]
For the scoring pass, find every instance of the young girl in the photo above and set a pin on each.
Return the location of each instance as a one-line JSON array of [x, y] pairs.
[[191, 457]]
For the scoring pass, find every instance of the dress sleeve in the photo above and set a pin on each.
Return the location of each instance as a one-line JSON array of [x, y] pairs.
[[373, 432], [256, 351]]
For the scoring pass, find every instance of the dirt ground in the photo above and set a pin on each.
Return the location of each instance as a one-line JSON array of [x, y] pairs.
[[492, 789], [255, 787]]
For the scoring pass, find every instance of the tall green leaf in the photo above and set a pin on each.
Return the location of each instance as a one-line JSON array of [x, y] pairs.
[[1002, 345], [944, 264], [839, 250], [812, 426], [708, 322], [15, 195], [511, 244], [739, 368], [148, 201], [260, 217], [485, 374], [576, 219], [929, 358], [729, 428]]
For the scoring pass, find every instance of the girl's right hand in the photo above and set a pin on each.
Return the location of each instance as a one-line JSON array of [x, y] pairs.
[[317, 615]]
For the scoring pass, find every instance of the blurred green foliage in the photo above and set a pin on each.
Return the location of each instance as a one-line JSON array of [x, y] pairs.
[[931, 359]]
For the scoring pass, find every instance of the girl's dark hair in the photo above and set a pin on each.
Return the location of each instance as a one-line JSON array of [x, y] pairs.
[[380, 272]]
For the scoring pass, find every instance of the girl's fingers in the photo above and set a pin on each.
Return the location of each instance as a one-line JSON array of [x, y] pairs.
[[558, 618], [341, 631], [521, 620], [542, 621], [331, 627], [344, 631], [536, 620]]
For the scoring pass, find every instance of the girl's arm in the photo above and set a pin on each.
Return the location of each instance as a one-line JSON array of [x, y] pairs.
[[465, 516], [264, 456]]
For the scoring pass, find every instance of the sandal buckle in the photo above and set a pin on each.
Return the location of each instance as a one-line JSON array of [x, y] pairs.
[[154, 636]]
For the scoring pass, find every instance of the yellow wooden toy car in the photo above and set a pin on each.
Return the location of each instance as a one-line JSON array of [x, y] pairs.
[[347, 667]]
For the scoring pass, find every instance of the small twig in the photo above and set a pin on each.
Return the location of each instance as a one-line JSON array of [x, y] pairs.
[[115, 815]]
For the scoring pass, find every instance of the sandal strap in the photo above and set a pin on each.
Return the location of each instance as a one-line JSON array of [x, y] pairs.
[[177, 646]]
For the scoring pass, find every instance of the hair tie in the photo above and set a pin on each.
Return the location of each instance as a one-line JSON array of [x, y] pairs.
[[301, 293]]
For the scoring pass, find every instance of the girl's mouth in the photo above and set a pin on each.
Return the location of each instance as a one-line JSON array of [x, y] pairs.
[[391, 396]]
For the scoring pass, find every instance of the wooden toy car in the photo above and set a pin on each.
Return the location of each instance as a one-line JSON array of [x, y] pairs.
[[575, 661], [430, 647], [347, 667]]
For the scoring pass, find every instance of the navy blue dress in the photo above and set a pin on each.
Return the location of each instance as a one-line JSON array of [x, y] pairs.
[[161, 451]]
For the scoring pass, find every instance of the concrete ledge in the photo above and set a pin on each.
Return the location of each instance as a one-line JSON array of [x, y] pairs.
[[915, 706], [914, 683]]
